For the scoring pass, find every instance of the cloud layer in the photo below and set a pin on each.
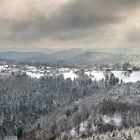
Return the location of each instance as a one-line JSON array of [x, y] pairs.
[[69, 23]]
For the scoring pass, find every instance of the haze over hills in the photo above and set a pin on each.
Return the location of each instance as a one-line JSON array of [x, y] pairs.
[[71, 56]]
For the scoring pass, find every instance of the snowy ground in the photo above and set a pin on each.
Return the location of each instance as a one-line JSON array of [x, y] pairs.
[[82, 128], [114, 120], [34, 75], [70, 74], [99, 75], [134, 76], [3, 67], [34, 72]]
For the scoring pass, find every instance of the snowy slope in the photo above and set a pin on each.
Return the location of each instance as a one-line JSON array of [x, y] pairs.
[[3, 67], [99, 75], [70, 74], [34, 75], [134, 76]]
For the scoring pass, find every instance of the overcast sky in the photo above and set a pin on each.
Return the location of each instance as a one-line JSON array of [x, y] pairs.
[[40, 24]]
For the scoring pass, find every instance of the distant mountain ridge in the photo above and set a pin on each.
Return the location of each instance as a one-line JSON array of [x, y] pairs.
[[18, 55], [71, 56]]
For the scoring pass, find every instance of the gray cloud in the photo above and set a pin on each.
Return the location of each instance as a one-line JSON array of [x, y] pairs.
[[74, 20], [133, 36]]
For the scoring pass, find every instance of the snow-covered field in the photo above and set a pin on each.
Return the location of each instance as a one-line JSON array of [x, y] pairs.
[[99, 75], [70, 74], [3, 67], [34, 72], [134, 76], [94, 75], [34, 75]]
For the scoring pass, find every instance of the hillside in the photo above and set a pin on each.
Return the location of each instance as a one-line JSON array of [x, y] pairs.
[[99, 113], [72, 57]]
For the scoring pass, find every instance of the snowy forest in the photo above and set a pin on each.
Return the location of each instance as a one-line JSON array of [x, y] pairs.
[[55, 108]]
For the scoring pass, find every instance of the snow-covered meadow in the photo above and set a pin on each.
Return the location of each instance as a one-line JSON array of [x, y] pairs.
[[121, 75], [97, 75]]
